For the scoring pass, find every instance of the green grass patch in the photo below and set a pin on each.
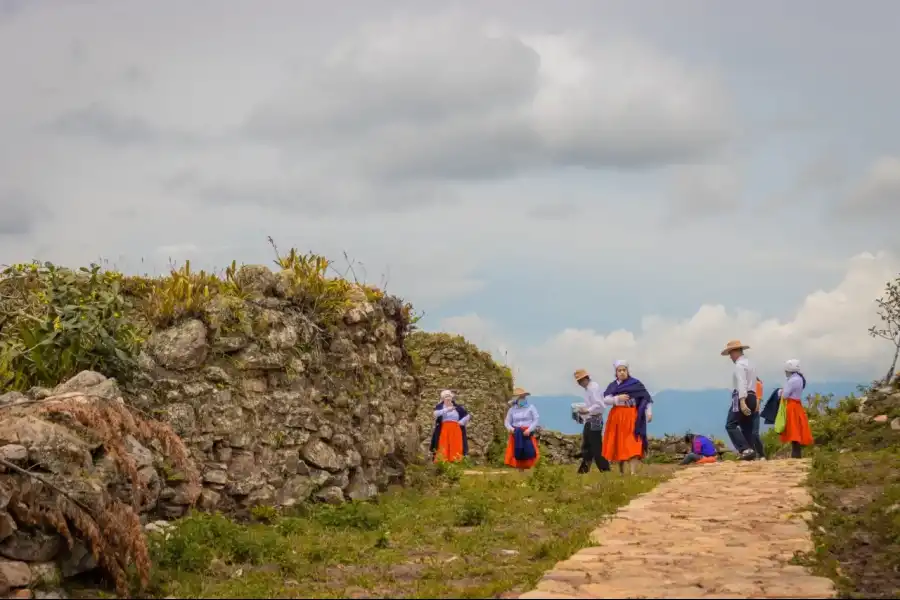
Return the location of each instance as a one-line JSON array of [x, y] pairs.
[[855, 483], [447, 535]]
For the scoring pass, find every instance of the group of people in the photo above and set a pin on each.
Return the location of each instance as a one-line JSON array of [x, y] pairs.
[[622, 438], [784, 408]]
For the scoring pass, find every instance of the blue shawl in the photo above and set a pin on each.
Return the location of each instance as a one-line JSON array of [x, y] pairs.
[[436, 434], [640, 397], [523, 447]]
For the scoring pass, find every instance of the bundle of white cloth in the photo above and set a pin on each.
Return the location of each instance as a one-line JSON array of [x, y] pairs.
[[577, 413]]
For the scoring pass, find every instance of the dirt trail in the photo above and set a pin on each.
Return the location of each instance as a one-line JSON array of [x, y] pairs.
[[727, 530]]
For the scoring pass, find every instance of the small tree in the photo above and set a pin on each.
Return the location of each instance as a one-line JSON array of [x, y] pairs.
[[889, 311]]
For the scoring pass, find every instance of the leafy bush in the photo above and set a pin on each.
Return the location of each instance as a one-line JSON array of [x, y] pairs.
[[57, 322], [473, 512]]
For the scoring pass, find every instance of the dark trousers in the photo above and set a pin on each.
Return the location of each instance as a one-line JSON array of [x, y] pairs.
[[592, 449], [796, 450], [755, 440], [740, 427]]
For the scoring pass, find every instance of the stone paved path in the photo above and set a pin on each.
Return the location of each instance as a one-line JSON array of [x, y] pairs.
[[686, 539]]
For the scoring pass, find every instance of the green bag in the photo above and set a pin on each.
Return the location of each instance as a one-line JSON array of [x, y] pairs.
[[781, 417]]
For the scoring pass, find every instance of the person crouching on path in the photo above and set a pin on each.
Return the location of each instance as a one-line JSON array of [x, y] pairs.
[[796, 424], [625, 439], [739, 423], [521, 420], [449, 441], [592, 434], [702, 450]]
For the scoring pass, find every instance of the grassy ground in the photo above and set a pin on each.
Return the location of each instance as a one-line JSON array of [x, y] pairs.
[[855, 482], [445, 535]]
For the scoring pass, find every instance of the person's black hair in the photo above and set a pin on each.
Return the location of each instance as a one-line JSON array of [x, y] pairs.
[[688, 437]]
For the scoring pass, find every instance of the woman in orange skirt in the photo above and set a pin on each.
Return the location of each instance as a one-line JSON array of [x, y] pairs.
[[449, 441], [521, 420], [796, 424], [625, 438]]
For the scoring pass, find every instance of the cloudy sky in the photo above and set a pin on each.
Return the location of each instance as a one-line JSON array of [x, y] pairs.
[[565, 183]]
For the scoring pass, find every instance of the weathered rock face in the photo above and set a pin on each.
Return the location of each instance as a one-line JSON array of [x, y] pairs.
[[274, 409], [77, 454], [484, 387]]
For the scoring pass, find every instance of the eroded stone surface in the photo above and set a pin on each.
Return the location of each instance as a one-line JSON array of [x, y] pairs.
[[727, 530]]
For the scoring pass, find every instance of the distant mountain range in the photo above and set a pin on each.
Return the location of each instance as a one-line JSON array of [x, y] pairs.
[[677, 411]]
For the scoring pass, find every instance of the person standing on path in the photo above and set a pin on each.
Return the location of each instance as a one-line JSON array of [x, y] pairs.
[[592, 434], [449, 442], [625, 439], [796, 423], [521, 420], [739, 423]]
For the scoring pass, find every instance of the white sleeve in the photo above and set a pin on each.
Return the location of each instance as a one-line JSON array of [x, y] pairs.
[[742, 384], [535, 419]]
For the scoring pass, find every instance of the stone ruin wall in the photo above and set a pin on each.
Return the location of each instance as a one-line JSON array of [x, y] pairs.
[[270, 415]]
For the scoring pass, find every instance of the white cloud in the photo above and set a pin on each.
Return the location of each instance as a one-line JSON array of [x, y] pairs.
[[444, 97], [828, 333]]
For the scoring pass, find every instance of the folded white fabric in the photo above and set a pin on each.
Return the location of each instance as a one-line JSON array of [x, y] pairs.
[[577, 415]]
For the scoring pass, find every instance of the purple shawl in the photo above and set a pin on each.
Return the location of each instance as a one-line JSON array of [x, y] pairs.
[[640, 397]]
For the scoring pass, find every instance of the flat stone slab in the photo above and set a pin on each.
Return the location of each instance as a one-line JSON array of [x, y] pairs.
[[725, 530]]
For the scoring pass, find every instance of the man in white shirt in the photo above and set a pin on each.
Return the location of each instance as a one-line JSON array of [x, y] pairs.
[[592, 434], [739, 424]]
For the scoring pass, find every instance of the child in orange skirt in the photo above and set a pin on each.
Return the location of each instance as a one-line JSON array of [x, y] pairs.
[[449, 441], [796, 424], [521, 420], [625, 439]]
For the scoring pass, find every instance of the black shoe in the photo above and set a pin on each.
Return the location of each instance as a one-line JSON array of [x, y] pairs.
[[748, 454], [584, 468]]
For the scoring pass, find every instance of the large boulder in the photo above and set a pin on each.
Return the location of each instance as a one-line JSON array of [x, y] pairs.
[[183, 346]]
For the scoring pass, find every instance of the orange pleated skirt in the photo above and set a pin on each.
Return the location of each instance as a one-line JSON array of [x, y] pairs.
[[619, 441], [796, 424], [450, 443], [510, 459]]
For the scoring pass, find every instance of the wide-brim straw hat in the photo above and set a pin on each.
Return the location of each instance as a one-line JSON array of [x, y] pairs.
[[581, 374], [519, 392], [734, 345]]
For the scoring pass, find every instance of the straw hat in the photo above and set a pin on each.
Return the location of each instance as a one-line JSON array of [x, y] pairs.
[[519, 392], [734, 345], [581, 374]]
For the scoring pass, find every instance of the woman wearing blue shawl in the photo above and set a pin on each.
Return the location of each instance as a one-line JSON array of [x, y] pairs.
[[521, 420], [625, 439], [448, 440]]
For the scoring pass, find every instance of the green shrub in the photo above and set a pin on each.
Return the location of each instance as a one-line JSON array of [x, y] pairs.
[[58, 322], [473, 512]]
